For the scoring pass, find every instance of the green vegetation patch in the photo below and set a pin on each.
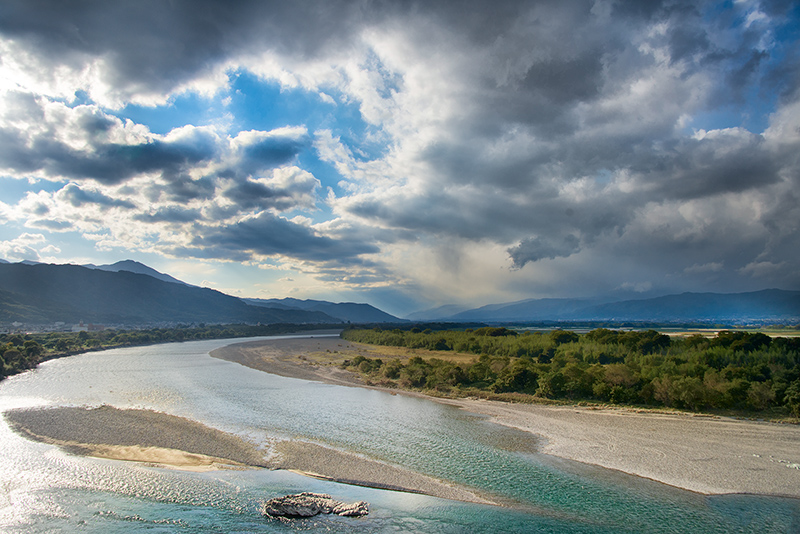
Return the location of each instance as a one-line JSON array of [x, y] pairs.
[[734, 370]]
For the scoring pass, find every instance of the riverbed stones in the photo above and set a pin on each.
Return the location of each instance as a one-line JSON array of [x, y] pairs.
[[309, 504]]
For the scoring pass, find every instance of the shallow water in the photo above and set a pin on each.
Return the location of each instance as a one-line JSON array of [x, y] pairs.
[[43, 489]]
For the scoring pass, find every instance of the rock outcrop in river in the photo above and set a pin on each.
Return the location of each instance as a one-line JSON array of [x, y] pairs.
[[309, 504]]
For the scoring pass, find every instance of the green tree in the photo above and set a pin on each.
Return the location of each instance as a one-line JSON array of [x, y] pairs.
[[688, 392], [551, 385], [32, 350], [792, 398], [760, 395], [516, 377], [560, 337]]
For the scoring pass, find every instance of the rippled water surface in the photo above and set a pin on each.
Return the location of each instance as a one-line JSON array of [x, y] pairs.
[[43, 489]]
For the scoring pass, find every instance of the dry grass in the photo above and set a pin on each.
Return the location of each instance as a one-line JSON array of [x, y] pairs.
[[349, 350], [712, 332]]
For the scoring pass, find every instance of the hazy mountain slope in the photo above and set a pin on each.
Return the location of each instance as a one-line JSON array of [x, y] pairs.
[[14, 309], [766, 305], [531, 309], [71, 293], [136, 267], [345, 311], [434, 314], [770, 305]]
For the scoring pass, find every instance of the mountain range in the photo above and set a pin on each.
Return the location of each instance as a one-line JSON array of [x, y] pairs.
[[766, 306], [130, 293], [136, 267], [346, 311]]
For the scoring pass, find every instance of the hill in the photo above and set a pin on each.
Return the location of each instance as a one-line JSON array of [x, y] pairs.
[[767, 306], [531, 309], [434, 314], [136, 267], [344, 311], [45, 293]]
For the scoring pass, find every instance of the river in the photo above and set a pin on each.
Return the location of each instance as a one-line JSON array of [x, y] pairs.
[[43, 489]]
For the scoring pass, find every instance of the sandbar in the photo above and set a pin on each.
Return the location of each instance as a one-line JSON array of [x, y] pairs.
[[704, 454], [135, 435], [169, 441]]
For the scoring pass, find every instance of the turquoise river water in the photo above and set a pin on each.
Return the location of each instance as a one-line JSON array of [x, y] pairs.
[[43, 489]]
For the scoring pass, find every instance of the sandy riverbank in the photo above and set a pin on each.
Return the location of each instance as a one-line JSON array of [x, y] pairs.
[[168, 441], [703, 454], [712, 455], [135, 435]]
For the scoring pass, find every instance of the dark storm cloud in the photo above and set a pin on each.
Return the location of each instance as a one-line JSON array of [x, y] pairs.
[[151, 46], [537, 248], [559, 99], [248, 194], [566, 80], [707, 167], [78, 197], [14, 155], [268, 235], [34, 142], [183, 188], [172, 214], [23, 149], [116, 163], [271, 152]]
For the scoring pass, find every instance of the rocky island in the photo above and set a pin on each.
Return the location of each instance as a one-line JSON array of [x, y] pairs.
[[309, 504]]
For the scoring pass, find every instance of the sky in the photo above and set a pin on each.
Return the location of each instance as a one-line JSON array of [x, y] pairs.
[[407, 154]]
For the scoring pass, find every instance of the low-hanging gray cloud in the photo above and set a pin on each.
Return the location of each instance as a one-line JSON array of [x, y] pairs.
[[537, 248], [77, 197], [268, 235], [171, 214], [40, 141]]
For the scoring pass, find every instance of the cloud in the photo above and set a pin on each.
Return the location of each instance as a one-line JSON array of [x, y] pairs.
[[267, 150], [267, 235], [53, 141], [78, 197], [170, 214], [25, 247], [662, 136], [638, 287], [287, 188], [537, 248], [762, 269], [712, 267], [142, 53]]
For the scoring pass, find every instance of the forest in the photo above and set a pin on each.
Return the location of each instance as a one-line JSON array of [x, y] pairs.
[[734, 370], [19, 352]]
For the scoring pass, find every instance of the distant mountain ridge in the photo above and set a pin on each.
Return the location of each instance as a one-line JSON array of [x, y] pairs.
[[769, 305], [128, 292], [46, 293], [136, 267], [346, 311], [536, 309], [434, 314]]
